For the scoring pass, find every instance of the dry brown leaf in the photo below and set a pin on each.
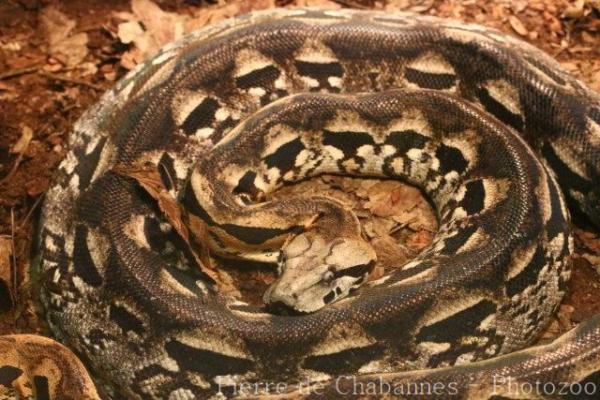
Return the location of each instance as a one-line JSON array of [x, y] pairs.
[[403, 203], [149, 28], [22, 143], [149, 179], [64, 45], [575, 9], [517, 25], [419, 240], [390, 253]]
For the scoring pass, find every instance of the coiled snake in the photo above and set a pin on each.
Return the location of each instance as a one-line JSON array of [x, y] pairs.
[[238, 109]]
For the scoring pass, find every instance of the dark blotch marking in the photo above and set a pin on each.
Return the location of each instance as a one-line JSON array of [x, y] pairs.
[[246, 184], [430, 80], [453, 328], [498, 110], [166, 169], [348, 142], [82, 259], [328, 298], [41, 390], [473, 201], [194, 207], [253, 235], [356, 271], [206, 362], [595, 114], [567, 178], [125, 319], [345, 361], [284, 157], [403, 141], [528, 276], [8, 374], [320, 71], [451, 159], [87, 163], [453, 243], [263, 77], [557, 223], [201, 117]]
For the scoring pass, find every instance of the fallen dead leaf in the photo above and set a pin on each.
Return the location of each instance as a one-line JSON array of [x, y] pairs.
[[404, 204], [64, 45], [149, 179], [517, 25], [22, 143]]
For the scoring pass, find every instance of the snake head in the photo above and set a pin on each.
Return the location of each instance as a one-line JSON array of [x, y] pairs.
[[315, 271]]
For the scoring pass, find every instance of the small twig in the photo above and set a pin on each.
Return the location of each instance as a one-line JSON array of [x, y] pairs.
[[14, 256], [33, 207], [18, 72], [71, 80]]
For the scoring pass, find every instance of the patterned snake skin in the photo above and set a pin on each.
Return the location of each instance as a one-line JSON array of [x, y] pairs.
[[490, 128]]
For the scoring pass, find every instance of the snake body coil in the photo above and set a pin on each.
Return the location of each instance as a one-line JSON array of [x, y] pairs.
[[235, 111]]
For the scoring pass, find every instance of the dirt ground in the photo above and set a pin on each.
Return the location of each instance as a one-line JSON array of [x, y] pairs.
[[57, 58]]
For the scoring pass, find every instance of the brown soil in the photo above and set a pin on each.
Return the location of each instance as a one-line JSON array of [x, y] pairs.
[[43, 92]]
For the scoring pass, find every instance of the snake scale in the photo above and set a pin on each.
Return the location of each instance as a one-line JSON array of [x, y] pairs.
[[492, 130]]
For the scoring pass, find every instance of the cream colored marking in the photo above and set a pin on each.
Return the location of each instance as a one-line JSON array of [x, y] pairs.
[[74, 183], [335, 81], [431, 348], [467, 143], [201, 341], [426, 275], [398, 165], [333, 152], [310, 82], [372, 162], [302, 158], [412, 119], [444, 308], [104, 161], [221, 114], [432, 63], [488, 323], [184, 103], [257, 92], [474, 241], [344, 119], [99, 249], [505, 94], [496, 190], [248, 61], [182, 394], [465, 358], [174, 285], [276, 137], [459, 214], [556, 245], [411, 264], [134, 229], [593, 132], [204, 133], [158, 77], [520, 259], [563, 150], [343, 336]]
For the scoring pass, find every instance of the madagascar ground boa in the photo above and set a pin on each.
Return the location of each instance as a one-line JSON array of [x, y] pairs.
[[249, 104]]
